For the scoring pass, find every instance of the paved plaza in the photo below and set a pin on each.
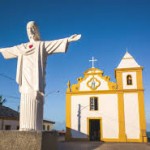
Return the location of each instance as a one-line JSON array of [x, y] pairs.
[[101, 146], [63, 145]]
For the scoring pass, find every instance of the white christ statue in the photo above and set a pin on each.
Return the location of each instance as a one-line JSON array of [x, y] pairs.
[[30, 74]]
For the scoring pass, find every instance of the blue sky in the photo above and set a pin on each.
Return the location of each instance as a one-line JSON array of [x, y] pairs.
[[108, 27]]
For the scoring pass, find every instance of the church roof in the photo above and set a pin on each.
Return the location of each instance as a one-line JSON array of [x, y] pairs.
[[6, 112], [128, 62]]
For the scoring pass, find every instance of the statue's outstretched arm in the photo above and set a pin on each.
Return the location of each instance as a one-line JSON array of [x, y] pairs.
[[61, 45], [10, 52]]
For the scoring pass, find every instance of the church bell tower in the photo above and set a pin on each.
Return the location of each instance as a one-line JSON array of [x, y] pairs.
[[131, 92]]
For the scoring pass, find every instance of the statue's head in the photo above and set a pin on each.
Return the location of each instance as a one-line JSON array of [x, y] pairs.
[[32, 31]]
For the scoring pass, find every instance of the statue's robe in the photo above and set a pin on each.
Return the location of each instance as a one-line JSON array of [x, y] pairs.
[[31, 77]]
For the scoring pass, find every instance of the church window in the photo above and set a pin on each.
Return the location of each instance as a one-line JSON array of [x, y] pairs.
[[129, 80], [93, 103]]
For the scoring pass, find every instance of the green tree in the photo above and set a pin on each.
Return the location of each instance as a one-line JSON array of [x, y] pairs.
[[2, 100]]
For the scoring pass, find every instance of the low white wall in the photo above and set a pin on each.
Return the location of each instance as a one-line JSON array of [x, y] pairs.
[[13, 123]]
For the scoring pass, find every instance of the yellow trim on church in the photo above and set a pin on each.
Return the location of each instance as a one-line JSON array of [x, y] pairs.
[[68, 117], [121, 118], [90, 86]]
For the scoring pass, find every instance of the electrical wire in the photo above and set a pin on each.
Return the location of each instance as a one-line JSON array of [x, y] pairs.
[[5, 76]]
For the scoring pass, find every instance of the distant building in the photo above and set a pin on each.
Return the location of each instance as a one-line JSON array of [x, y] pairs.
[[9, 120], [98, 109], [48, 125]]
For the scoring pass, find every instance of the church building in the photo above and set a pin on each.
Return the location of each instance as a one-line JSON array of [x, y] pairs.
[[100, 110]]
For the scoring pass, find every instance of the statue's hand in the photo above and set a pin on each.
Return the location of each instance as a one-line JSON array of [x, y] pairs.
[[1, 50], [74, 37]]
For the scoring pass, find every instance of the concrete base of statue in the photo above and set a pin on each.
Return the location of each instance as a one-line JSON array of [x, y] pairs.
[[28, 140]]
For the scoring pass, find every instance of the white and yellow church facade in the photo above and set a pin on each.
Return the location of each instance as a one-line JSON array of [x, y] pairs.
[[100, 110]]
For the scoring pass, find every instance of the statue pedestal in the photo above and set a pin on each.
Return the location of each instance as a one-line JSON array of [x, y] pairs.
[[28, 140]]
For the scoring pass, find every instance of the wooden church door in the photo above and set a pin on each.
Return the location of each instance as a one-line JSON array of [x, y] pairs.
[[94, 129]]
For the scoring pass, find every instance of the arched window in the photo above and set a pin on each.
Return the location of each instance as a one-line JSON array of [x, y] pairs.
[[48, 127], [129, 80]]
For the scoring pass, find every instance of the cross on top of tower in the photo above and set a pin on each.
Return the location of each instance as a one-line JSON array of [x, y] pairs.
[[126, 49], [93, 61]]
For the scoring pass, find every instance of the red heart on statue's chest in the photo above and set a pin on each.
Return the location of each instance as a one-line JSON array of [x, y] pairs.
[[30, 46]]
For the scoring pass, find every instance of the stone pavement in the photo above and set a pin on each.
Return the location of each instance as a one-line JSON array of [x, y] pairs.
[[124, 146], [62, 145], [78, 145]]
